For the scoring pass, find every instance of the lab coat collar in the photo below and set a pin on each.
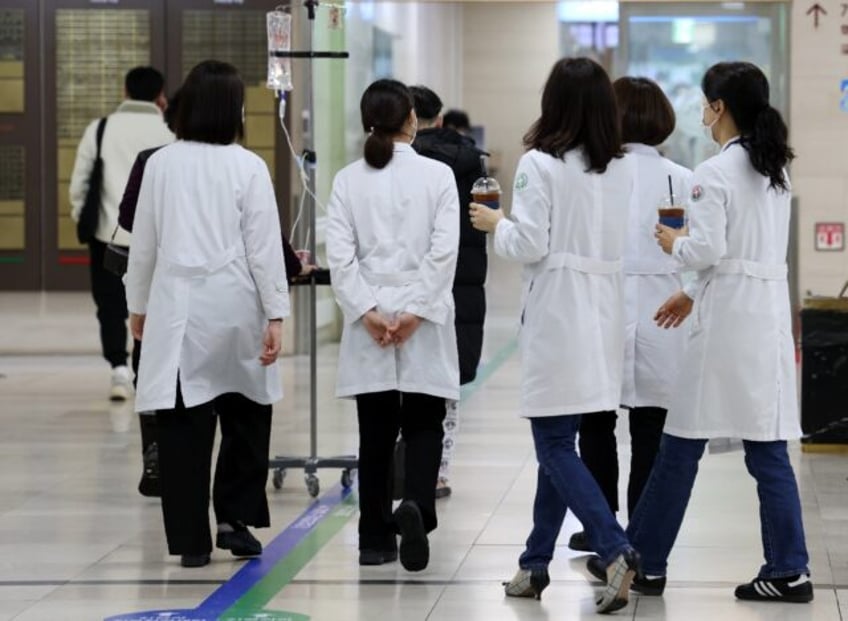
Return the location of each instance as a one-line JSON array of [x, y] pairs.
[[730, 143], [403, 147], [638, 147]]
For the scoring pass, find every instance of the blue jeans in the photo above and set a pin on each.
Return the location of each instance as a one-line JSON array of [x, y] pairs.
[[563, 483], [659, 514]]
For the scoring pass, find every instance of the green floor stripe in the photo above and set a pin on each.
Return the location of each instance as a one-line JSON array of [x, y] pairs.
[[283, 573], [246, 607]]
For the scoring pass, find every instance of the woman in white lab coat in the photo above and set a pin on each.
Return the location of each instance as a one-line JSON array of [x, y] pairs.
[[207, 293], [569, 212], [392, 244], [651, 354], [737, 377]]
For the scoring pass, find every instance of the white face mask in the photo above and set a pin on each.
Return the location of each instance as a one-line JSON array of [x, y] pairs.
[[708, 130]]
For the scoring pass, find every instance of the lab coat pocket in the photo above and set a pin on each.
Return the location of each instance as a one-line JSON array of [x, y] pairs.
[[525, 300], [703, 301]]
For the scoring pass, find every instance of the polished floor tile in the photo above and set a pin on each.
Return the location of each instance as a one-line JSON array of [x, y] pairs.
[[77, 542]]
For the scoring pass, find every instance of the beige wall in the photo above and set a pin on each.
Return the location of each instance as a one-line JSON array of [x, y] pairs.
[[508, 51], [820, 135]]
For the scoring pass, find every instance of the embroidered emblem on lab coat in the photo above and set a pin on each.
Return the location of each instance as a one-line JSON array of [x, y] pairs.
[[697, 193], [521, 181]]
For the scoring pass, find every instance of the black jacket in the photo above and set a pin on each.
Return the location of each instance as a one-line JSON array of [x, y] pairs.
[[459, 152]]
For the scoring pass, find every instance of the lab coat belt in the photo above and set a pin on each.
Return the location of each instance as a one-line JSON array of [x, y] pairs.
[[650, 267], [388, 279], [588, 265], [754, 269], [198, 271]]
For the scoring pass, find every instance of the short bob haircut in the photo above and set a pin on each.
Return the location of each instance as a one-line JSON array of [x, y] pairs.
[[646, 113], [211, 104], [578, 110]]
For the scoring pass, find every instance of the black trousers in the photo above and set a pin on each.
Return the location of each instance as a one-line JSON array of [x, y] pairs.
[[186, 438], [111, 302], [600, 454], [381, 415]]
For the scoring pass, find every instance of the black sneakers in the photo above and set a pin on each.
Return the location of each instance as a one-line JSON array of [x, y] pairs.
[[640, 584], [796, 589]]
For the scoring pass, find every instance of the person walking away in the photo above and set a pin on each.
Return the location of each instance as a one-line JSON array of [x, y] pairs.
[[651, 354], [570, 205], [207, 293], [392, 240], [738, 375], [469, 292], [136, 125]]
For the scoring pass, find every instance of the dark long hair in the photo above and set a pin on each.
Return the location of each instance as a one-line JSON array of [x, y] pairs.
[[211, 104], [385, 107], [578, 110], [647, 116], [745, 92]]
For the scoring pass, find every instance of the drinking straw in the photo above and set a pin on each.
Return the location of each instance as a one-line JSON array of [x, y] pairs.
[[670, 191]]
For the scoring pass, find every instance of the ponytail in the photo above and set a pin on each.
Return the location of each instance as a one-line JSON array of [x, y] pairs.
[[744, 89], [379, 149], [385, 107], [768, 148]]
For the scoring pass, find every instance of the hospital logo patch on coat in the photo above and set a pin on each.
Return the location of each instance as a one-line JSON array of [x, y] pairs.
[[697, 193], [521, 181]]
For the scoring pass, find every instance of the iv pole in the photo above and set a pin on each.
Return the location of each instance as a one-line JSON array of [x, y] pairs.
[[311, 463]]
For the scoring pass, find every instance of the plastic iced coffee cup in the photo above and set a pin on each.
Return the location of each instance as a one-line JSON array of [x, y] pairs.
[[671, 215], [487, 191]]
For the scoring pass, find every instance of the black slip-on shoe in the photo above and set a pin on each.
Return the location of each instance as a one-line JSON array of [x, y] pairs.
[[194, 560], [414, 547], [597, 568], [378, 557], [794, 589], [579, 542], [239, 542], [443, 491]]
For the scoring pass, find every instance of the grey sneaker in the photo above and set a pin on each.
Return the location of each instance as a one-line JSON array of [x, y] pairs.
[[620, 575]]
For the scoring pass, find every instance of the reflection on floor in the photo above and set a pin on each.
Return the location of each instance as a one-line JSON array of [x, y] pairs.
[[77, 543]]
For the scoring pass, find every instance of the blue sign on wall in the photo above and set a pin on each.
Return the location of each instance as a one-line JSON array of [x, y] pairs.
[[843, 104]]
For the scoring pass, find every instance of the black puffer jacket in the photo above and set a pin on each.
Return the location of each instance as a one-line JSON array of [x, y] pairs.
[[459, 152]]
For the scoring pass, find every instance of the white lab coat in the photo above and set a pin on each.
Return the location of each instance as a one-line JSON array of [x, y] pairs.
[[651, 354], [568, 227], [392, 243], [206, 267], [738, 377]]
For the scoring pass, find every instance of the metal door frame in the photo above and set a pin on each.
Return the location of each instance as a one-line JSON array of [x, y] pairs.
[[21, 269]]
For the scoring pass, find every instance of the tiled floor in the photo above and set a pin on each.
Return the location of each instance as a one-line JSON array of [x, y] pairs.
[[77, 543]]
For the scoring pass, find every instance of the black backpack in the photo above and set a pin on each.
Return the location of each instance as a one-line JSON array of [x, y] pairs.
[[90, 214]]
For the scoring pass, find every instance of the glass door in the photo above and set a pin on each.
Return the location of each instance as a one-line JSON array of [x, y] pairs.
[[674, 43]]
